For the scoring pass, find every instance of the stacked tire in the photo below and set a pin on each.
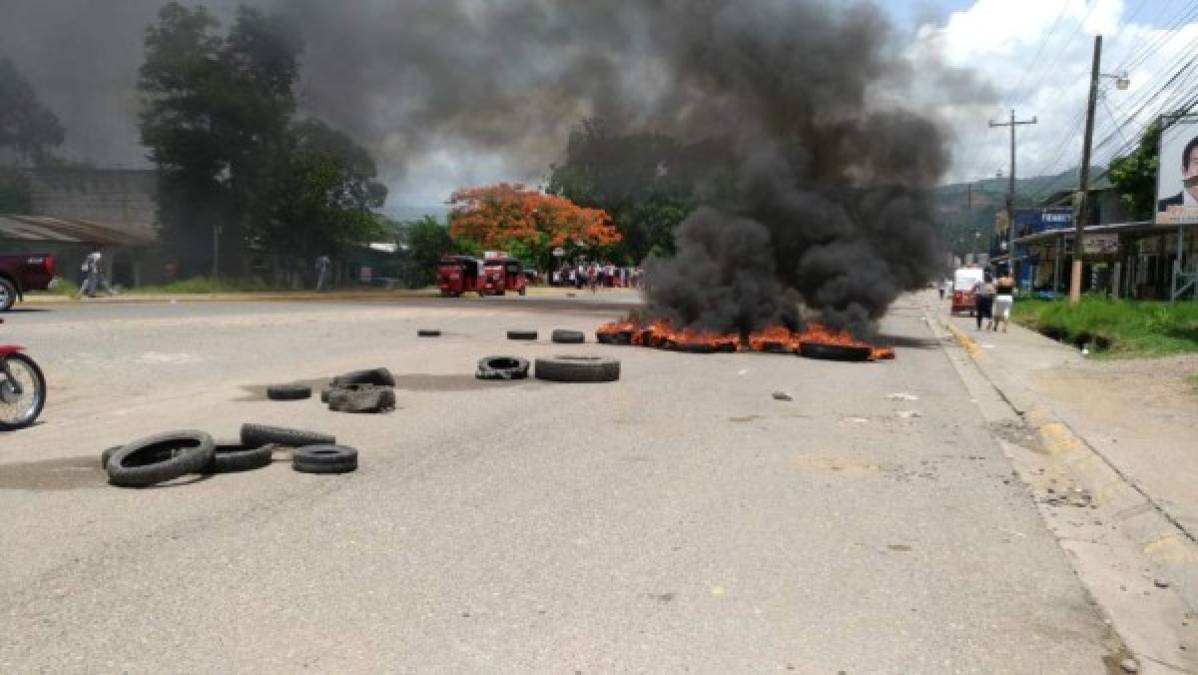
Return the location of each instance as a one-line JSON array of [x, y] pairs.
[[166, 457]]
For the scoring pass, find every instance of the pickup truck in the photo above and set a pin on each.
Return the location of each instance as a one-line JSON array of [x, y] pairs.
[[21, 272]]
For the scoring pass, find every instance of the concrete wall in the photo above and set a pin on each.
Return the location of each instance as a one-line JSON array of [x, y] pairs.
[[117, 196]]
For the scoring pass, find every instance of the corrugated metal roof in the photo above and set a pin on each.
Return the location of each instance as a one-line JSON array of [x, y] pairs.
[[68, 230]]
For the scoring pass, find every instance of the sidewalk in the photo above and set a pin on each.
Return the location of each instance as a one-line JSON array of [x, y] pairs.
[[1140, 415]]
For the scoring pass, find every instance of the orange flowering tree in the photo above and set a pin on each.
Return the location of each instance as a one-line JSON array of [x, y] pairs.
[[525, 221]]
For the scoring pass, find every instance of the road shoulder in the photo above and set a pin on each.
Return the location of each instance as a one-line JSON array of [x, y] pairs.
[[1138, 563]]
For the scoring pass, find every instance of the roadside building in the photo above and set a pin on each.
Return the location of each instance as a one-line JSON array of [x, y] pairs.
[[75, 209], [1123, 258]]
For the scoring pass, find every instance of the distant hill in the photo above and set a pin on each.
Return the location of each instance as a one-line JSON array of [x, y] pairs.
[[959, 223]]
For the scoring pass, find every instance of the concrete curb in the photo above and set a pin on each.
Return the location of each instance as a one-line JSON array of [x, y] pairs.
[[1167, 546]]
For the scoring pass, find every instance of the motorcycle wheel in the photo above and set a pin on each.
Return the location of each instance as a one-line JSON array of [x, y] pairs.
[[19, 411]]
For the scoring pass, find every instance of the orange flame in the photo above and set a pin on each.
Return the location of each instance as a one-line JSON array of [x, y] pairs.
[[775, 338]]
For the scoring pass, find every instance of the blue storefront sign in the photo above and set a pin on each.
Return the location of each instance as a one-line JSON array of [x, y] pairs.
[[1031, 221]]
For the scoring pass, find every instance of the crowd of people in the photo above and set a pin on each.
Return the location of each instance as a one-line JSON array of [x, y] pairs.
[[597, 275]]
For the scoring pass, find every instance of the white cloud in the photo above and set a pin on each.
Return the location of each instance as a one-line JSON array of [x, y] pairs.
[[1037, 55]]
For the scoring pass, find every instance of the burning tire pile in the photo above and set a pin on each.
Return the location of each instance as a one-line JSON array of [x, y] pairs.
[[816, 341]]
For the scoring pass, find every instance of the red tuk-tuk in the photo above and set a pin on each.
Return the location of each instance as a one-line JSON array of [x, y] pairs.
[[458, 274], [502, 274]]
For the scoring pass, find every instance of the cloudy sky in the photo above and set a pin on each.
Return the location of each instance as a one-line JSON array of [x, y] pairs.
[[1034, 54]]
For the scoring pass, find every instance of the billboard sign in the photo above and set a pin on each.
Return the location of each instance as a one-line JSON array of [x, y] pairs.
[[1177, 175]]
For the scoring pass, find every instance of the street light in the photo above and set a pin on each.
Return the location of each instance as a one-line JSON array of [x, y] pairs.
[[1122, 81]]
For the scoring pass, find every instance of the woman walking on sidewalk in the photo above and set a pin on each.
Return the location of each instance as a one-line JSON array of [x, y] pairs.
[[1004, 300], [983, 299]]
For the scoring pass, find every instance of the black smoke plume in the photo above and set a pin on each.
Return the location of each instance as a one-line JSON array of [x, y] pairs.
[[816, 174]]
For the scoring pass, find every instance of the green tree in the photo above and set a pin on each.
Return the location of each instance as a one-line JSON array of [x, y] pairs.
[[426, 240], [328, 196], [1134, 174], [216, 118], [27, 128]]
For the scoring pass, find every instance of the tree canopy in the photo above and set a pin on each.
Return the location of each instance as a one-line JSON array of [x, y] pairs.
[[512, 215], [218, 118], [1134, 174]]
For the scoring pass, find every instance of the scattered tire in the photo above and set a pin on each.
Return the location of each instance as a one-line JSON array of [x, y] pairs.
[[106, 454], [232, 456], [578, 369], [160, 458], [831, 352], [362, 398], [568, 337], [502, 368], [618, 338], [521, 335], [377, 376], [257, 435], [288, 392], [428, 332], [324, 394], [324, 458]]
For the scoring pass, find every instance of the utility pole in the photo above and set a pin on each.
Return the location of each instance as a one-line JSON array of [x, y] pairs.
[[1011, 190], [1079, 218]]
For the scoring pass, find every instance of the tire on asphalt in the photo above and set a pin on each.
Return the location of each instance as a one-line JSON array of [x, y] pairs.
[[257, 435], [831, 352], [288, 392], [618, 338], [568, 337], [570, 368], [502, 368], [428, 332], [376, 376], [324, 394], [231, 456], [521, 335], [8, 294], [106, 454], [159, 458], [361, 398], [324, 458]]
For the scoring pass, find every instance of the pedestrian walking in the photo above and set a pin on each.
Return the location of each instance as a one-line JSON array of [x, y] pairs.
[[323, 264], [945, 286], [1004, 300], [93, 275], [983, 299]]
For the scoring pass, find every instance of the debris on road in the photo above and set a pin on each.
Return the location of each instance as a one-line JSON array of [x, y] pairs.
[[263, 434], [377, 376], [502, 368], [521, 335], [782, 396], [569, 337], [361, 398], [428, 332], [902, 396], [325, 458], [288, 392], [570, 368], [908, 414], [160, 458], [1129, 665], [1160, 583]]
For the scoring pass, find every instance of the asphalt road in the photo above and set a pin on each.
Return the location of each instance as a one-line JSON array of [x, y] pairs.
[[678, 519]]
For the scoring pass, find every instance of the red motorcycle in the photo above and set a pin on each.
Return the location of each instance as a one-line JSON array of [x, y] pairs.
[[22, 388]]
